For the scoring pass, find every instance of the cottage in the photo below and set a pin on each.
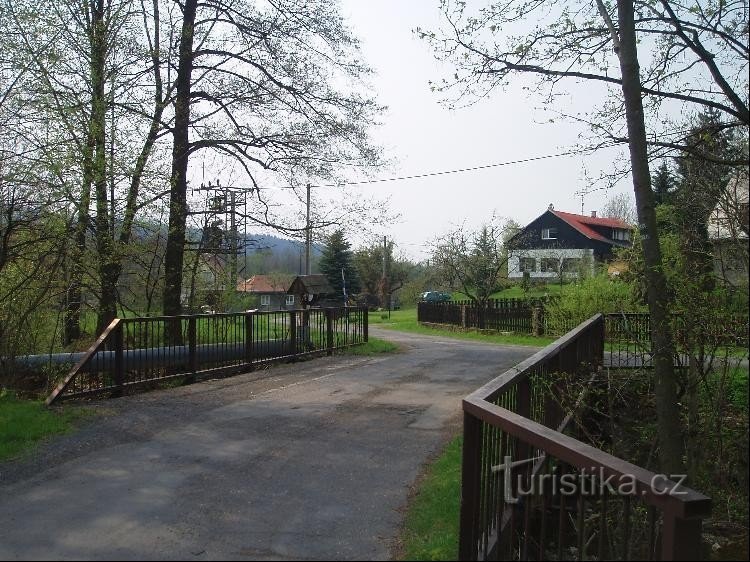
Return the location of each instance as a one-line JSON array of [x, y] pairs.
[[314, 290], [271, 290], [558, 244]]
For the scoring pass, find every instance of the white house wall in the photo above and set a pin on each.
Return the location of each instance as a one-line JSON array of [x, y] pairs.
[[514, 271]]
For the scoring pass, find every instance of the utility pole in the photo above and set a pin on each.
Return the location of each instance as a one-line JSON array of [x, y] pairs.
[[307, 234], [233, 234], [386, 288]]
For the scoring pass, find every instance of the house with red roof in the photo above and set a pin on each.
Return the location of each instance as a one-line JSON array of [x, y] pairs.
[[271, 291], [558, 244]]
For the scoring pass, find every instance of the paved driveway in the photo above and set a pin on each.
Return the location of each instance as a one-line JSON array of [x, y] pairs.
[[311, 460]]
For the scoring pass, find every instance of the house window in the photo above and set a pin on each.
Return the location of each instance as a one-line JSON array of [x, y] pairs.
[[620, 234], [549, 234], [265, 300], [290, 300], [527, 264], [550, 265], [571, 265]]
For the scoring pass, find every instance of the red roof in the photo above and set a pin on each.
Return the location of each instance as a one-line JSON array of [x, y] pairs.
[[583, 224], [265, 284]]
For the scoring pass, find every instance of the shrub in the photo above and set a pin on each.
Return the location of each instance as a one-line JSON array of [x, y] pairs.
[[582, 300]]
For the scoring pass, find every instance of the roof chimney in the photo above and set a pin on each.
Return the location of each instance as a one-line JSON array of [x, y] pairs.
[[593, 214], [551, 207]]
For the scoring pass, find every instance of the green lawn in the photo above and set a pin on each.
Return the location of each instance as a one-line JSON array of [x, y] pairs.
[[516, 292], [23, 423], [373, 346], [431, 526], [406, 321]]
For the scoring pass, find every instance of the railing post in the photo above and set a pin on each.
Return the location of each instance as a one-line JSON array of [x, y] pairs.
[[119, 375], [329, 331], [463, 316], [192, 348], [366, 324], [293, 333], [681, 538], [249, 337], [471, 467]]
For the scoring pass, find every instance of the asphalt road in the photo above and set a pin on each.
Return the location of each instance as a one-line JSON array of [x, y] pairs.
[[312, 460]]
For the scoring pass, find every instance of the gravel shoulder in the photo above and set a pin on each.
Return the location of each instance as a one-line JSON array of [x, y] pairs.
[[308, 460]]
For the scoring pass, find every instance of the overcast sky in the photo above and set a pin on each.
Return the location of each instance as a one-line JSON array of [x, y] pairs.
[[422, 135]]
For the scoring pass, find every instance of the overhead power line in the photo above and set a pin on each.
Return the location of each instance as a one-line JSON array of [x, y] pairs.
[[442, 172]]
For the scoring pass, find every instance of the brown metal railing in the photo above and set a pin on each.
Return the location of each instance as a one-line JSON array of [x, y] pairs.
[[138, 351], [518, 418]]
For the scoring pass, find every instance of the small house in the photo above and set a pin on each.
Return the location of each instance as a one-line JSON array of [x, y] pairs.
[[559, 245], [314, 290], [271, 291]]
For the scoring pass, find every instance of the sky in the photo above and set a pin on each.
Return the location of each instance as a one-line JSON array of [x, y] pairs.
[[422, 135]]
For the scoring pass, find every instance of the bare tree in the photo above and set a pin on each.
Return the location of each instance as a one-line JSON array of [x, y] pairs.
[[254, 85], [473, 261], [621, 206]]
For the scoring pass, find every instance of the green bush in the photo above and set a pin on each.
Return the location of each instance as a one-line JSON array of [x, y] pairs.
[[582, 300]]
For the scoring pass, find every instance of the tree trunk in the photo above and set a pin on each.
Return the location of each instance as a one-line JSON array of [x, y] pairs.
[[173, 259], [98, 124], [668, 413]]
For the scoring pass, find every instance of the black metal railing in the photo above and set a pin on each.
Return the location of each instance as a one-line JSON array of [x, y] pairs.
[[136, 351]]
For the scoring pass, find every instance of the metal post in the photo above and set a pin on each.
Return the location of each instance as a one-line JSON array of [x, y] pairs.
[[308, 234], [249, 336], [119, 375], [192, 346], [366, 323], [329, 331], [293, 333], [470, 486]]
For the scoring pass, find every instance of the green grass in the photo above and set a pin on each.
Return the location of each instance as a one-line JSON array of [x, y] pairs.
[[738, 387], [24, 423], [373, 346], [406, 321], [516, 292], [431, 527]]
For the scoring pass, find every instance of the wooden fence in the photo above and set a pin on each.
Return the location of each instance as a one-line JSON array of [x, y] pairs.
[[531, 491], [134, 352]]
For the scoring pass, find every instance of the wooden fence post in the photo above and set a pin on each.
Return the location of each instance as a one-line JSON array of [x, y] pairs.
[[537, 326], [463, 316], [471, 467], [681, 538]]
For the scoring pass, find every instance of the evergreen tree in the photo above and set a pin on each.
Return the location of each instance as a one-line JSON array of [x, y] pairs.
[[337, 257], [663, 183]]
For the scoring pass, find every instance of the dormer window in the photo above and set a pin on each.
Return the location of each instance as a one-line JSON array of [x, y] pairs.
[[549, 234], [620, 234]]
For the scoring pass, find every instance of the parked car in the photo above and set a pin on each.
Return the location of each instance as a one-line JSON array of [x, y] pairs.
[[435, 297]]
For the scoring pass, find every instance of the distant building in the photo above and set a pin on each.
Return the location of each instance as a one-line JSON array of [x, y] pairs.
[[728, 231], [563, 244], [315, 290], [271, 291]]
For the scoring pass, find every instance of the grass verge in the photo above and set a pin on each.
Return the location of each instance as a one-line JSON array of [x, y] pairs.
[[431, 526], [406, 321], [373, 346], [24, 423]]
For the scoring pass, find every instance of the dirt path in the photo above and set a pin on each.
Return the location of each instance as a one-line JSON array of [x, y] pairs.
[[311, 460]]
